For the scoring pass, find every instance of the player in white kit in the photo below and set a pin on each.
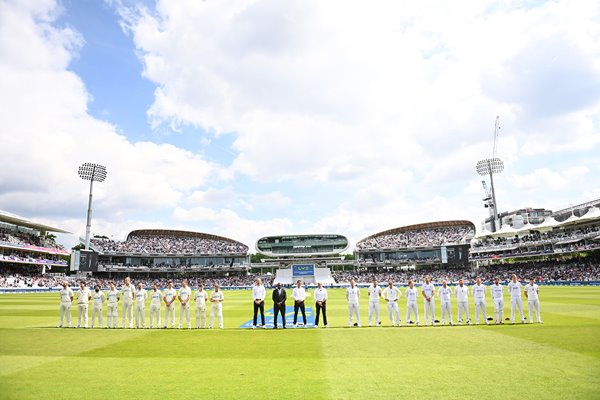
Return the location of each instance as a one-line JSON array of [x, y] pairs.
[[201, 297], [428, 292], [185, 295], [445, 293], [98, 298], [514, 288], [353, 297], [112, 307], [391, 295], [156, 299], [66, 298], [83, 297], [461, 292], [498, 297], [140, 306], [374, 295], [533, 300], [412, 293], [169, 296], [478, 290], [127, 291], [216, 298]]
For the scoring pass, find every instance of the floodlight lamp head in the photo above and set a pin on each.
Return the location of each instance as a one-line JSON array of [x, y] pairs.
[[92, 172], [489, 166]]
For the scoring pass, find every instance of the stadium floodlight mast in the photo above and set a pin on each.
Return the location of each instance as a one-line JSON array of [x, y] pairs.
[[489, 167], [91, 172]]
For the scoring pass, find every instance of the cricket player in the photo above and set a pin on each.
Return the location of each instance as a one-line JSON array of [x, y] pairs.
[[461, 292], [498, 297], [140, 306], [201, 297], [533, 300], [216, 298], [320, 297], [83, 297], [112, 308], [391, 294], [98, 298], [258, 304], [185, 295], [299, 296], [478, 291], [445, 293], [156, 299], [66, 298], [514, 288], [169, 296], [428, 292], [374, 295], [353, 297], [127, 293], [411, 302]]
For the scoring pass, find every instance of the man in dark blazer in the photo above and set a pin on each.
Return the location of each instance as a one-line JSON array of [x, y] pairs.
[[279, 298]]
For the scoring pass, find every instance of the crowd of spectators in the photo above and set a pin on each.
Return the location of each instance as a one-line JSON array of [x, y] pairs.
[[169, 245], [534, 238], [16, 238], [418, 238], [33, 258]]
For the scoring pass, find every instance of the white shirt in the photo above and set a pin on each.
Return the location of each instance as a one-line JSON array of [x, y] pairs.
[[352, 294], [217, 296], [170, 294], [532, 292], [65, 295], [478, 291], [497, 291], [140, 296], [156, 297], [374, 293], [514, 289], [299, 293], [185, 293], [320, 294], [411, 295], [127, 293], [444, 293], [392, 293], [200, 298], [258, 292], [461, 293], [83, 295], [98, 298], [428, 289], [113, 295]]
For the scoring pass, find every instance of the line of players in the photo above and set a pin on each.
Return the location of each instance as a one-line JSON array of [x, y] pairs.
[[134, 302]]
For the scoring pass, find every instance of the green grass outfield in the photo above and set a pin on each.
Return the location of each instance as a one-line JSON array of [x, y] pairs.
[[559, 359]]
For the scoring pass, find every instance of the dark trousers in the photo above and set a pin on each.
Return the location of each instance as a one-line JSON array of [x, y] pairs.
[[260, 306], [299, 306], [279, 308], [319, 309]]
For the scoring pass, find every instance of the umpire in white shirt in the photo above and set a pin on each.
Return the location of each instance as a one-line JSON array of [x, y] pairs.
[[321, 304], [258, 295], [299, 296]]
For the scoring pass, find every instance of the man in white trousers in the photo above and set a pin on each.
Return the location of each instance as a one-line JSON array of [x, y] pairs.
[[478, 290], [98, 298], [83, 298], [374, 295], [497, 290], [412, 293], [112, 307], [461, 292], [216, 298], [391, 295], [353, 297], [514, 288], [185, 295], [156, 299], [66, 298], [533, 300], [428, 292], [170, 295], [140, 306], [127, 293], [445, 294], [201, 297]]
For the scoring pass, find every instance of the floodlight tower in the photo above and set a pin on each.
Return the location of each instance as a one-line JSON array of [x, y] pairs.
[[491, 166], [91, 172]]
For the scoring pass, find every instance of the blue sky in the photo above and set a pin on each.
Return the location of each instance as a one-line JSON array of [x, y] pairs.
[[253, 118]]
